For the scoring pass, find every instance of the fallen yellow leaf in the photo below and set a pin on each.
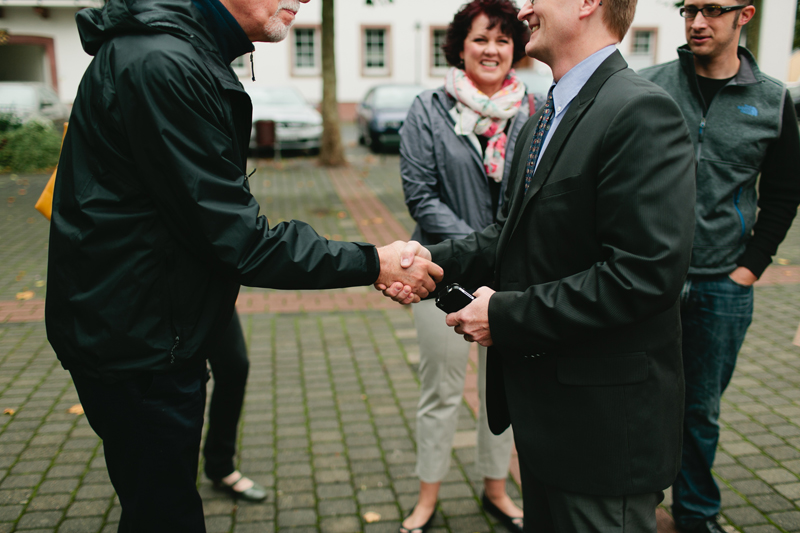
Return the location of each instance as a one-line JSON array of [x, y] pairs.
[[76, 409], [25, 295], [39, 283], [9, 411], [782, 261], [371, 516]]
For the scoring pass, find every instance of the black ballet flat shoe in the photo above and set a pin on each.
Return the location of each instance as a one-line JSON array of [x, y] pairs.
[[256, 493], [422, 529], [512, 524]]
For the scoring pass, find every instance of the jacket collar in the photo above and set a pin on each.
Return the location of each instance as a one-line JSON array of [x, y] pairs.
[[226, 31], [748, 74]]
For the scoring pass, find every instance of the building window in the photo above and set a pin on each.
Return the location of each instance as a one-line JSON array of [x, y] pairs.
[[643, 48], [306, 60], [438, 62], [375, 51]]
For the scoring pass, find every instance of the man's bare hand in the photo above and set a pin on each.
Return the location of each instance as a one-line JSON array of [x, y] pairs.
[[743, 276], [407, 279], [473, 321]]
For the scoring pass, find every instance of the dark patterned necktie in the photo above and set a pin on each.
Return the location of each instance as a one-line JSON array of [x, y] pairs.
[[538, 138]]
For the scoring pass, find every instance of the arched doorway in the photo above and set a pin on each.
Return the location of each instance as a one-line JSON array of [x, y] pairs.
[[28, 58]]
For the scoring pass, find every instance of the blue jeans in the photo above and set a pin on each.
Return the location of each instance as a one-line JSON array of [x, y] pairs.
[[715, 315]]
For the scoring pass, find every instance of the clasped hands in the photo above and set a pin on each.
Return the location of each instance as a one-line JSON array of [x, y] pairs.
[[408, 275]]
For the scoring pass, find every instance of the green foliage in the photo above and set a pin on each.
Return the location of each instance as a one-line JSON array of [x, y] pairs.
[[8, 122], [31, 147]]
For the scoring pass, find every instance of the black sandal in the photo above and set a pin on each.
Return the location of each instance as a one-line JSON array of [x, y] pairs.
[[422, 529], [512, 524]]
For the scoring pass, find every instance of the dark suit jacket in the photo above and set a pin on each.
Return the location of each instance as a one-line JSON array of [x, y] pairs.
[[589, 265]]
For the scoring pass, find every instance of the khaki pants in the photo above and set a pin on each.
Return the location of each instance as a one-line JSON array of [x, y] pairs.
[[442, 371]]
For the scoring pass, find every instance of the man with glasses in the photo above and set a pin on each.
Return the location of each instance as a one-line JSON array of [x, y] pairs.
[[742, 124]]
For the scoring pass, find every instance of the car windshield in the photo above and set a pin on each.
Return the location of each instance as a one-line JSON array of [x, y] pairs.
[[17, 96], [277, 97], [396, 97]]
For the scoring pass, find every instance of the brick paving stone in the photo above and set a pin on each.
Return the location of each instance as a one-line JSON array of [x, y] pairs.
[[744, 516], [770, 503], [761, 529], [337, 507], [790, 490], [80, 525], [295, 484], [265, 527], [49, 502], [388, 511], [218, 524], [296, 517], [790, 521], [475, 523], [776, 475], [334, 490], [343, 524], [255, 513], [733, 472], [380, 495], [39, 519]]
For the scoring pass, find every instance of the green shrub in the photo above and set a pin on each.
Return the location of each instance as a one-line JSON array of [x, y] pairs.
[[8, 122], [31, 147]]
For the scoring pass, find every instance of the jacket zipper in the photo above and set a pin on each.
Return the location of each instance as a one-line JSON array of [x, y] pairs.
[[700, 138], [738, 211], [174, 347]]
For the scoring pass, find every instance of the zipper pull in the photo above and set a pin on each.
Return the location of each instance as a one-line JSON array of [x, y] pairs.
[[252, 68], [172, 351], [702, 128]]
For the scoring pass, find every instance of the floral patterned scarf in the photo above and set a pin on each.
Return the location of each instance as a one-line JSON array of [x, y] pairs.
[[487, 116]]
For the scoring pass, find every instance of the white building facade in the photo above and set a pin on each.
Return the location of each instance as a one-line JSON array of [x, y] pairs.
[[388, 42]]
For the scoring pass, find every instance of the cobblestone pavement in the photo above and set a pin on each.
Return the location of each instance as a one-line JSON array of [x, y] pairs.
[[328, 423]]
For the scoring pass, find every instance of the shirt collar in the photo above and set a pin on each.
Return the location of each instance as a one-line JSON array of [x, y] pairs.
[[573, 81]]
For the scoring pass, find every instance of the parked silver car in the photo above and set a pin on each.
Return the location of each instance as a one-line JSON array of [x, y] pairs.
[[30, 100], [297, 124]]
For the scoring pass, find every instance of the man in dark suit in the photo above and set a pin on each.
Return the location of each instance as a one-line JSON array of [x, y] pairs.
[[588, 261]]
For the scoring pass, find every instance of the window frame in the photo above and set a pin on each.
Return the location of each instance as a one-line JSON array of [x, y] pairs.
[[653, 42], [305, 72], [372, 72], [433, 70]]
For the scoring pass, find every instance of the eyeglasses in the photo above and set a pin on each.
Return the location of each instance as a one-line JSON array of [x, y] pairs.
[[709, 11]]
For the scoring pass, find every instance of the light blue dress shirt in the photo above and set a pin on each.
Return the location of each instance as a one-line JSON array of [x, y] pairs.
[[568, 88]]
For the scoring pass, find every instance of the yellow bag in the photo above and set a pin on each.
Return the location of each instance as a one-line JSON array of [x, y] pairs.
[[45, 202]]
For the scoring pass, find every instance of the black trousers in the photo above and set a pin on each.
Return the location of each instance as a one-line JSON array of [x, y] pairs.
[[229, 366], [151, 427], [549, 509]]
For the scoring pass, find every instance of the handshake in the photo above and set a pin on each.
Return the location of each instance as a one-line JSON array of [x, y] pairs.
[[407, 273]]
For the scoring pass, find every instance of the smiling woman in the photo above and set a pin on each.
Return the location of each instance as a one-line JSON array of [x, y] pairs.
[[454, 148]]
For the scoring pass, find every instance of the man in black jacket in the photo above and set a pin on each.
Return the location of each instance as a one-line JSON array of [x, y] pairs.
[[154, 229]]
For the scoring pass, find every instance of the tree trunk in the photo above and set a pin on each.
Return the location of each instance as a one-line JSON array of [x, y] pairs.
[[753, 30], [331, 152]]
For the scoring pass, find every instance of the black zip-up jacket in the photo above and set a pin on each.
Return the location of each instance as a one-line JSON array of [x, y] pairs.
[[154, 227]]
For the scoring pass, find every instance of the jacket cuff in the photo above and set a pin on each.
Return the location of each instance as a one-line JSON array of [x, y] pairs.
[[372, 261], [754, 260]]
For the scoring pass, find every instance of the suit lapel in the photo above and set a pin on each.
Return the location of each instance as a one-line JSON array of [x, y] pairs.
[[614, 63]]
